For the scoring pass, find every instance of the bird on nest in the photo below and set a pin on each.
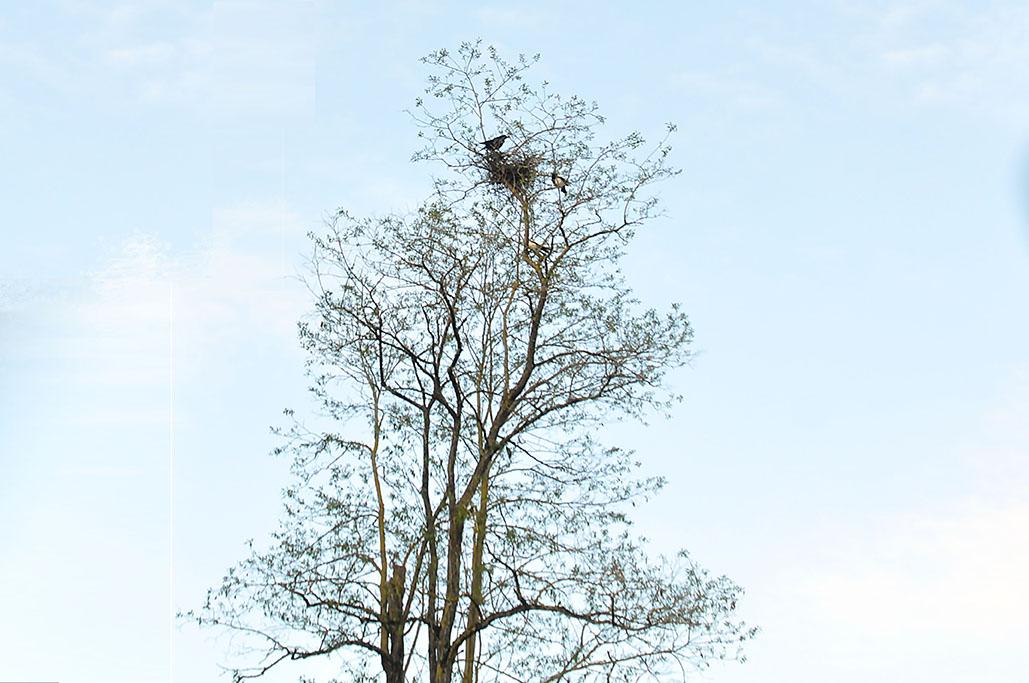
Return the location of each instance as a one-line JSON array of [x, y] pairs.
[[494, 144]]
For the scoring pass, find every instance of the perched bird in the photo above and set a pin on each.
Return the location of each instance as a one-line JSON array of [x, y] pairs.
[[538, 249], [559, 182], [494, 144]]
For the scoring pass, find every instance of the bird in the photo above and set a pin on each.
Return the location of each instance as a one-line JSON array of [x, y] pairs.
[[537, 248], [559, 182], [494, 144]]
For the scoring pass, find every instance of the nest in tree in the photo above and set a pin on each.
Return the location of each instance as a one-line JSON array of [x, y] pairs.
[[514, 171]]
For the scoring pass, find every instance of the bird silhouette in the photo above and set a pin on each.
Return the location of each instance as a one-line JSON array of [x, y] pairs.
[[494, 144], [559, 182]]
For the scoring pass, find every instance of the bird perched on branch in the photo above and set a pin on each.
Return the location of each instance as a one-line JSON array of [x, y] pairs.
[[494, 144], [559, 182], [538, 249]]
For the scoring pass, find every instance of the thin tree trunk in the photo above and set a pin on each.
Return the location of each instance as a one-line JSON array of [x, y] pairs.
[[474, 611]]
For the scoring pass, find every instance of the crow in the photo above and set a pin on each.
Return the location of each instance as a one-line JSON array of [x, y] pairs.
[[559, 182], [494, 144]]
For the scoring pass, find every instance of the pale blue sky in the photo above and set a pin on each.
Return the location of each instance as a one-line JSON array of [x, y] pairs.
[[850, 238]]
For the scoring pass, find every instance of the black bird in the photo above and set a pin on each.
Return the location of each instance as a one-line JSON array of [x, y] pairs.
[[494, 144], [559, 182]]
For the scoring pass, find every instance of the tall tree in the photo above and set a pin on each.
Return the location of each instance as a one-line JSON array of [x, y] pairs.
[[453, 516]]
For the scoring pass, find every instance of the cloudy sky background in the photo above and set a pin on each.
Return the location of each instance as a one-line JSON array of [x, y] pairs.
[[850, 238]]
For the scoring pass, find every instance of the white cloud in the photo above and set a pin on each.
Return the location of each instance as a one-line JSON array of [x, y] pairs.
[[86, 442], [927, 595], [973, 58], [957, 576], [147, 312], [227, 59], [936, 591], [925, 52], [924, 596], [933, 592]]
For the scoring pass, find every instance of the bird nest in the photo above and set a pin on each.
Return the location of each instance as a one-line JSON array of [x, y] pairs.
[[513, 171]]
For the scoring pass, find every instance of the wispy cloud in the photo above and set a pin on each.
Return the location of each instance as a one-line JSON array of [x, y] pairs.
[[933, 591], [979, 63], [146, 310], [923, 52], [931, 576], [87, 427], [222, 59], [938, 588]]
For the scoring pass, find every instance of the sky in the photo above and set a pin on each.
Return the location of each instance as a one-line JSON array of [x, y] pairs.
[[850, 238]]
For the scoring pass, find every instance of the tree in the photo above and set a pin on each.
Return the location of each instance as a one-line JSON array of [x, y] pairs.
[[452, 515]]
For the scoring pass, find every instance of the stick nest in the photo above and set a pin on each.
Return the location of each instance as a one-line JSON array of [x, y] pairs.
[[514, 171]]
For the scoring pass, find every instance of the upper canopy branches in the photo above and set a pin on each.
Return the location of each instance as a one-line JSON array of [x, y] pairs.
[[487, 126]]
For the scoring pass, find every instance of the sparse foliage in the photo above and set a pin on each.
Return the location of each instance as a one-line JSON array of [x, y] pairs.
[[456, 518]]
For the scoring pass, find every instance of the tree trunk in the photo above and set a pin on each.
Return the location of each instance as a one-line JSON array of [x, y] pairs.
[[393, 659], [474, 611]]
